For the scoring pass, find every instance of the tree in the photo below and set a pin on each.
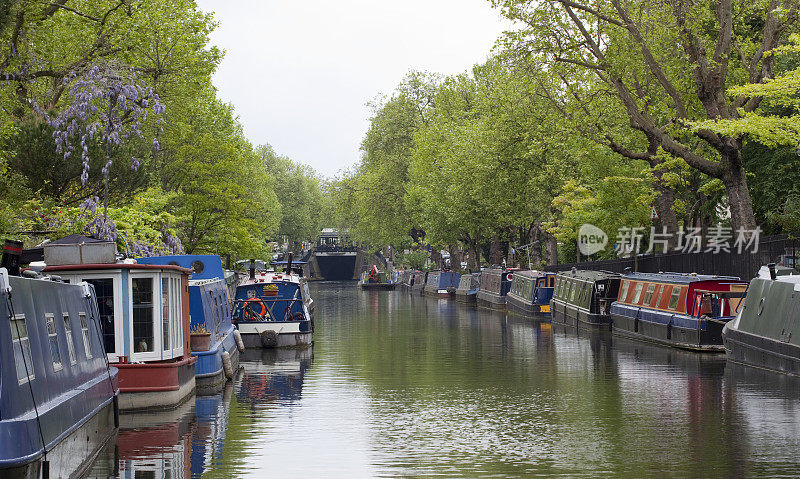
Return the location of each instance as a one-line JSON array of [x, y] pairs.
[[640, 51]]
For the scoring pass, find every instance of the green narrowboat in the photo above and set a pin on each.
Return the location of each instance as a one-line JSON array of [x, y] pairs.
[[583, 298]]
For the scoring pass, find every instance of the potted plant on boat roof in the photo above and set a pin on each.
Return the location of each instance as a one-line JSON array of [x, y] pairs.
[[199, 338]]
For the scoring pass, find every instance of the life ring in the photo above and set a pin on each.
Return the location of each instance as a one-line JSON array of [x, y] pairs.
[[250, 314]]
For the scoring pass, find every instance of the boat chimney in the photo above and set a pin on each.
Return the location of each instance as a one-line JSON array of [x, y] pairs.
[[289, 262], [252, 269], [772, 273], [12, 251]]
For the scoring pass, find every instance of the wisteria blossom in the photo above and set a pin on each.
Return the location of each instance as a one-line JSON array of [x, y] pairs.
[[108, 103]]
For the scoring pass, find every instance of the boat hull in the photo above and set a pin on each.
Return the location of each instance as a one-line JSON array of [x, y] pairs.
[[286, 334], [162, 385], [209, 372], [527, 308], [761, 352], [469, 297], [76, 452], [708, 339], [488, 300], [571, 315]]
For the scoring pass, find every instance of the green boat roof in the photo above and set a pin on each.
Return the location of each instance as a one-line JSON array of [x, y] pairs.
[[588, 275]]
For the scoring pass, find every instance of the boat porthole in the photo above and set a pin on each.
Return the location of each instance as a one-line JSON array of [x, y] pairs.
[[761, 306], [198, 266]]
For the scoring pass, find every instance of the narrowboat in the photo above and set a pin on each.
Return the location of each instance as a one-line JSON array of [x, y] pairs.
[[212, 335], [374, 279], [442, 284], [530, 293], [495, 284], [413, 278], [681, 310], [468, 286], [270, 310], [296, 267], [766, 332], [420, 280], [583, 298], [58, 395], [144, 318]]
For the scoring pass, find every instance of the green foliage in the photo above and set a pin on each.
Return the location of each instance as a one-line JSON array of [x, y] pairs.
[[415, 259]]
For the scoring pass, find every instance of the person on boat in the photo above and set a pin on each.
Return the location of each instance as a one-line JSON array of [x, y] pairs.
[[373, 274]]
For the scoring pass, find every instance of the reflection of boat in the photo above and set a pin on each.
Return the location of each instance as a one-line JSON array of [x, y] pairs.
[[271, 310], [144, 317], [682, 310], [209, 310], [495, 284], [273, 374], [211, 412], [57, 393], [530, 293], [442, 283], [157, 443], [583, 298], [766, 332]]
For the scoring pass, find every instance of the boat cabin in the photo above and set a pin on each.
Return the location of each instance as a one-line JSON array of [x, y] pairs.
[[269, 297]]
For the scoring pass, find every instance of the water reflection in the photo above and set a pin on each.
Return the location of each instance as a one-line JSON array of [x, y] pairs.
[[401, 385]]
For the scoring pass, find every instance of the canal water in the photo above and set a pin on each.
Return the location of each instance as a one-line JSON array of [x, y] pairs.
[[404, 386]]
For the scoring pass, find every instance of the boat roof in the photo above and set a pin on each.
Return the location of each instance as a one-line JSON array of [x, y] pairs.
[[203, 266], [588, 275], [119, 266], [678, 278], [532, 273], [265, 277]]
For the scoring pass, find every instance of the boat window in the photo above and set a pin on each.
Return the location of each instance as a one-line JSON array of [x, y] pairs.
[[22, 349], [637, 293], [573, 287], [70, 341], [52, 334], [87, 340], [177, 315], [623, 293], [166, 312], [104, 289], [143, 334], [551, 281], [673, 300], [661, 289], [648, 296]]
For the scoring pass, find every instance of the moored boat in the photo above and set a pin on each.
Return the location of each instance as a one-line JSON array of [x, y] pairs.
[[682, 310], [420, 280], [270, 310], [144, 318], [442, 284], [414, 278], [495, 284], [467, 289], [583, 298], [213, 335], [376, 280], [766, 332], [58, 395], [530, 293]]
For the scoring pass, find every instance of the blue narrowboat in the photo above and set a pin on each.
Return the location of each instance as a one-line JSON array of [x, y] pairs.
[[468, 287], [58, 394], [442, 283], [530, 293], [495, 284], [209, 314], [271, 310], [682, 310]]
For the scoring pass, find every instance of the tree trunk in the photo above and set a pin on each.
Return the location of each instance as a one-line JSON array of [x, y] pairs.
[[665, 202], [739, 200], [551, 245], [474, 260], [496, 252], [455, 257], [536, 246], [436, 257]]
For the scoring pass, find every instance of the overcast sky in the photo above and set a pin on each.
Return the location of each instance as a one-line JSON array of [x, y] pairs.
[[299, 73]]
